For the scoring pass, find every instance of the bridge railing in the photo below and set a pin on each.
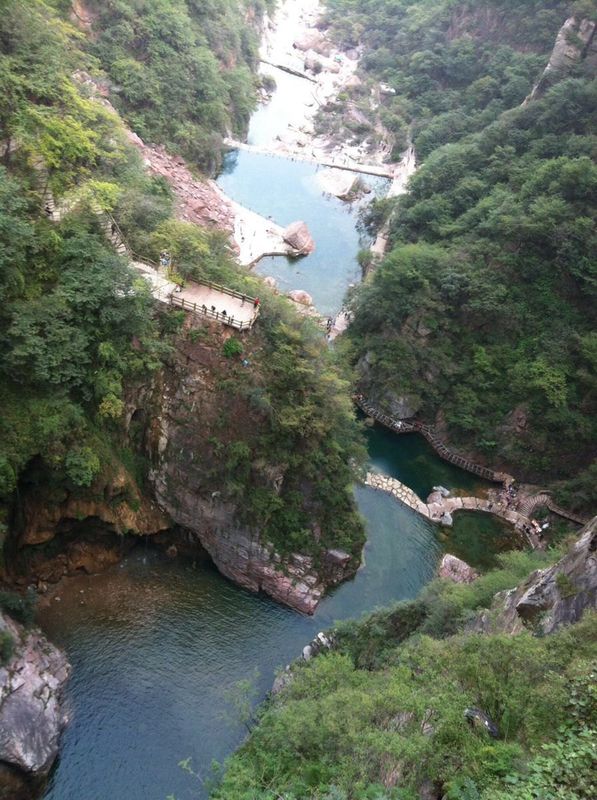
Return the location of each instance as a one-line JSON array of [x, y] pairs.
[[218, 316], [225, 290]]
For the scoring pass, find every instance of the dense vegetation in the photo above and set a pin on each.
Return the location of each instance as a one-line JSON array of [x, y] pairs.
[[381, 717], [79, 330], [483, 314], [453, 66], [182, 71]]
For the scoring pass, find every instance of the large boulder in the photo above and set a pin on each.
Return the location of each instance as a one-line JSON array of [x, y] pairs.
[[300, 296], [298, 237], [31, 712], [313, 40], [340, 183], [454, 569]]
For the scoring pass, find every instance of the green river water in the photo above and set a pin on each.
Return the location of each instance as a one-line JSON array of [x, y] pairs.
[[155, 643]]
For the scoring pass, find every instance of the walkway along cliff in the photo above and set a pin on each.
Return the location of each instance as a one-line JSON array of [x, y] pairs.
[[519, 515]]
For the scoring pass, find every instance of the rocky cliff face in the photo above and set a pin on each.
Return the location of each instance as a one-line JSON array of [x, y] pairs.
[[195, 423], [31, 713], [574, 43], [87, 530], [551, 597]]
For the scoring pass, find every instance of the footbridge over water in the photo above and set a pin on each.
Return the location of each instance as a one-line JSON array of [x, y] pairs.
[[379, 170], [519, 515]]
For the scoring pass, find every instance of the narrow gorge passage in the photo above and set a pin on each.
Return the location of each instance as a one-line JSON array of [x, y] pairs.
[[155, 644]]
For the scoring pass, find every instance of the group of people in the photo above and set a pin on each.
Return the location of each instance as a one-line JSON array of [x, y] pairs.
[[536, 528], [224, 313], [165, 259], [213, 310], [507, 496]]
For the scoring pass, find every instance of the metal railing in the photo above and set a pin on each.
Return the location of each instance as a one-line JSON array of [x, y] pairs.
[[218, 316]]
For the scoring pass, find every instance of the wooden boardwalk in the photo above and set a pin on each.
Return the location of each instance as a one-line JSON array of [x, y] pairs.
[[211, 301], [204, 299], [412, 426], [525, 507]]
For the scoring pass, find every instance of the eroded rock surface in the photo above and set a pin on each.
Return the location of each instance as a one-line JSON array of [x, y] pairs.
[[551, 597], [31, 713], [575, 41], [185, 460]]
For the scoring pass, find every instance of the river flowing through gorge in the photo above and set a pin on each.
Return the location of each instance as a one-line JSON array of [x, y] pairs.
[[155, 644]]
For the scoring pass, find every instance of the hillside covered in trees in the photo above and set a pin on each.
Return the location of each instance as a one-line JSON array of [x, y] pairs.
[[80, 335], [381, 716], [481, 318]]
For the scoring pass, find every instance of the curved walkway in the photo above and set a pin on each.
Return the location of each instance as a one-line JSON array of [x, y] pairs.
[[525, 507], [440, 506], [544, 500], [411, 426]]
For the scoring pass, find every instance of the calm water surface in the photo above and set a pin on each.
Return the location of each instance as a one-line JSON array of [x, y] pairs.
[[289, 191], [155, 644]]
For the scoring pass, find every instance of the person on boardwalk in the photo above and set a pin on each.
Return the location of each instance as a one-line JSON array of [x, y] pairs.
[[256, 303]]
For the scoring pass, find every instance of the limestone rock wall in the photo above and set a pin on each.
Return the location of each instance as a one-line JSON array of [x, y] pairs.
[[32, 715], [83, 531], [575, 41], [193, 422]]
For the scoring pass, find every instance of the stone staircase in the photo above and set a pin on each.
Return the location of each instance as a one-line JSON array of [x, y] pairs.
[[114, 234], [544, 500]]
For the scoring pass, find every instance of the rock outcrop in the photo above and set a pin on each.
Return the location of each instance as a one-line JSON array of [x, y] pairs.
[[551, 597], [575, 41], [86, 531], [298, 237], [116, 503], [31, 713], [401, 406], [454, 569], [300, 296], [198, 201], [192, 408]]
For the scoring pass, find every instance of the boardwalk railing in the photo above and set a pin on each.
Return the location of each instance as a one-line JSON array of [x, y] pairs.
[[412, 426], [225, 290], [203, 311]]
